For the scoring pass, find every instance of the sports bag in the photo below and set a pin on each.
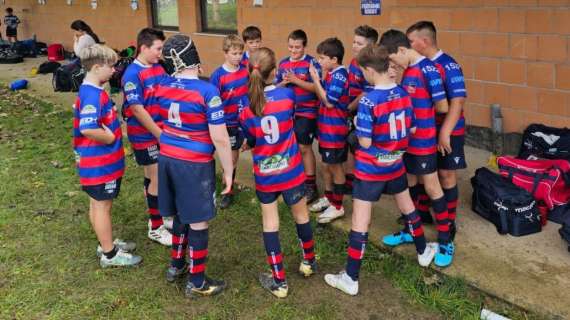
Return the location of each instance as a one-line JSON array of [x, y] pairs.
[[540, 141], [55, 52], [511, 209], [547, 180], [9, 56], [120, 67], [48, 67], [68, 78]]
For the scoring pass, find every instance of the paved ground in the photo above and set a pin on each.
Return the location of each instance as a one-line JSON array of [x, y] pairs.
[[532, 271]]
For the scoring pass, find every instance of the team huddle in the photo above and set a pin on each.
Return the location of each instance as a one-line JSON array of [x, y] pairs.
[[391, 123]]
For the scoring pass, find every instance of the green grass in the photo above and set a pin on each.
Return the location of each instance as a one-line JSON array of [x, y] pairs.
[[49, 269]]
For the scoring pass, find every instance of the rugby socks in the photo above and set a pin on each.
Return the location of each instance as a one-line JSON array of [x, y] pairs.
[[198, 253], [274, 255], [233, 181], [153, 214], [146, 183], [356, 247], [179, 243], [311, 182], [337, 195], [415, 229], [452, 197], [349, 179], [111, 254], [305, 234], [421, 201], [441, 218], [329, 196]]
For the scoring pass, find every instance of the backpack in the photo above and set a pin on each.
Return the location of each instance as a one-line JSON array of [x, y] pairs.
[[48, 67], [511, 209], [540, 141], [547, 180], [564, 231], [120, 67], [9, 56], [68, 78], [55, 52]]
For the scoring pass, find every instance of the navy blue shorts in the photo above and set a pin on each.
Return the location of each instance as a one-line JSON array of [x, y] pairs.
[[334, 156], [236, 137], [372, 190], [11, 32], [186, 189], [420, 165], [290, 196], [305, 130], [456, 159], [104, 191], [148, 156]]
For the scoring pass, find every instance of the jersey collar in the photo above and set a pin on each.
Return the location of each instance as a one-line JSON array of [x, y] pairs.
[[417, 61], [87, 83], [437, 55], [385, 87], [269, 88], [139, 63], [182, 76], [301, 59]]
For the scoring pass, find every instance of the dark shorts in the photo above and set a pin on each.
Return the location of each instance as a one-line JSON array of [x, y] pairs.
[[236, 137], [455, 160], [305, 130], [11, 32], [104, 191], [290, 196], [372, 190], [148, 156], [186, 189], [334, 156], [420, 165]]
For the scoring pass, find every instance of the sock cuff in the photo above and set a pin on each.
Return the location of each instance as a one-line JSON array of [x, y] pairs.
[[439, 205], [338, 188], [358, 236]]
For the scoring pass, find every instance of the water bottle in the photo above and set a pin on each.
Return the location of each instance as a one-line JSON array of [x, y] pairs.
[[19, 84]]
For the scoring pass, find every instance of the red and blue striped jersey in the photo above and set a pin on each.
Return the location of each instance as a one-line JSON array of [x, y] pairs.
[[233, 90], [187, 107], [356, 81], [138, 84], [245, 59], [331, 123], [385, 115], [277, 161], [422, 80], [454, 84], [97, 163], [307, 103]]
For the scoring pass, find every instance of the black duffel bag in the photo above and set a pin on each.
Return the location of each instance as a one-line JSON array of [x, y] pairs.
[[545, 142], [511, 209], [68, 78]]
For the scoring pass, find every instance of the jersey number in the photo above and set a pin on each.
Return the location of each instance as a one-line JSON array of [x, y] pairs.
[[270, 128], [174, 114], [392, 119]]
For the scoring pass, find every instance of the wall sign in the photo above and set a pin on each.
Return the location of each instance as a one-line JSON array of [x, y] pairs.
[[370, 7]]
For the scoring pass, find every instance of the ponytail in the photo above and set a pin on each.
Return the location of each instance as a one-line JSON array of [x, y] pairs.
[[80, 25], [261, 65]]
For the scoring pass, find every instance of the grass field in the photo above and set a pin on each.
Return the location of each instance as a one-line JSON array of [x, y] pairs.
[[48, 267]]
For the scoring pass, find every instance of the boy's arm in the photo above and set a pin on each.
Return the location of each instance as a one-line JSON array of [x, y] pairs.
[[134, 100], [364, 122], [219, 134], [89, 119], [436, 89], [102, 135], [354, 104], [455, 88]]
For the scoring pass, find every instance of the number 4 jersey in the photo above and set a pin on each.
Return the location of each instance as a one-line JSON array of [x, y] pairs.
[[277, 162], [385, 116]]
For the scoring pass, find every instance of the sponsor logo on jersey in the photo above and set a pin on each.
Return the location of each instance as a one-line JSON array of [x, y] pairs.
[[274, 163], [88, 109], [129, 86], [215, 102]]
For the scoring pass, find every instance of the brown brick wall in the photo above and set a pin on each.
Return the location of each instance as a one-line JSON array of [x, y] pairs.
[[513, 52]]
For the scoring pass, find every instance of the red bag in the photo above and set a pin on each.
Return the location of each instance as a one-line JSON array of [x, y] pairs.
[[55, 52], [547, 180]]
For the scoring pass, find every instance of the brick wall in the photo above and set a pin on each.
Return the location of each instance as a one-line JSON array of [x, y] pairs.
[[513, 52]]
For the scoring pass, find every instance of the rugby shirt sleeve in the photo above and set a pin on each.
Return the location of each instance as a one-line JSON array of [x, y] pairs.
[[364, 118]]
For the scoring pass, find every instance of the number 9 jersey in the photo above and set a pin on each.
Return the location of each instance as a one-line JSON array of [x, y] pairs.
[[277, 162], [385, 115]]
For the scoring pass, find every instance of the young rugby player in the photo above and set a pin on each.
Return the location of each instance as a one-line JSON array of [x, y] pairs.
[[450, 125], [332, 126], [293, 72], [364, 35], [231, 80], [143, 125], [278, 167], [194, 126], [99, 153], [251, 36], [383, 125], [423, 82]]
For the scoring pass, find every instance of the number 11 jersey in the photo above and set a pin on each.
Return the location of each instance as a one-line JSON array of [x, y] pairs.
[[277, 162]]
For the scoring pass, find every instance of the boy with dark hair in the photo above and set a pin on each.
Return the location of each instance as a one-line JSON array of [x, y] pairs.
[[143, 124], [423, 82], [252, 38], [293, 72], [383, 125], [364, 35], [450, 125], [332, 126], [11, 21], [99, 153], [231, 79]]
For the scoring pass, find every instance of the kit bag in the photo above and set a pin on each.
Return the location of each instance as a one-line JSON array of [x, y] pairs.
[[540, 141]]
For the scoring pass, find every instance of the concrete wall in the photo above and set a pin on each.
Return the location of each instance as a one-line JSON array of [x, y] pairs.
[[513, 52]]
